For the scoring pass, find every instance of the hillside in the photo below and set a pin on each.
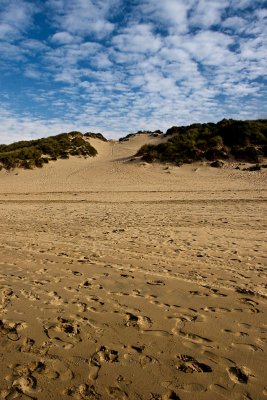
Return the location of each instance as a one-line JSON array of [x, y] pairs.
[[244, 141], [228, 139], [35, 153]]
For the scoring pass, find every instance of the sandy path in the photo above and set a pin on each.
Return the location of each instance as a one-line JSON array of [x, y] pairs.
[[132, 282]]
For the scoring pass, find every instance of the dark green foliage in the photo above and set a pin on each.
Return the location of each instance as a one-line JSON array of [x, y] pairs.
[[127, 137], [130, 135], [35, 153], [250, 154], [95, 136], [215, 154], [243, 133], [242, 140]]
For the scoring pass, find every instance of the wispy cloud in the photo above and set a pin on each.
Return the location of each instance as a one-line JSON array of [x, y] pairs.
[[62, 38], [170, 15], [15, 18], [117, 66], [208, 13], [137, 38], [83, 17]]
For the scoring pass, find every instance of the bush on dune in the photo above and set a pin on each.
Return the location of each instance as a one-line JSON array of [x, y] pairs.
[[35, 153], [95, 136], [240, 140]]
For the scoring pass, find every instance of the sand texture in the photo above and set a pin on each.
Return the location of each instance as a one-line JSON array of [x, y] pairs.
[[125, 280]]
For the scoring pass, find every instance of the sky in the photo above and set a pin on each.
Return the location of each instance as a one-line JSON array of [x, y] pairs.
[[119, 66]]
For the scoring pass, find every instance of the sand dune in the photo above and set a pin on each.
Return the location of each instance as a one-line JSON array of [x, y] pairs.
[[125, 280]]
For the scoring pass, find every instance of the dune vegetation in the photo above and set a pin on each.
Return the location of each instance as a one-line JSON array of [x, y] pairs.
[[228, 139], [244, 141], [35, 153]]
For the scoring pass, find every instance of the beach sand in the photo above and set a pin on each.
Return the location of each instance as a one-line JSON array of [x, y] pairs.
[[126, 280]]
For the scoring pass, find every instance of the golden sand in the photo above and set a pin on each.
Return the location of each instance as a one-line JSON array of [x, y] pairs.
[[125, 280]]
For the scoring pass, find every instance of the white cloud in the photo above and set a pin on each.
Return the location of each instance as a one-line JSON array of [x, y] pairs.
[[6, 30], [149, 70], [33, 46], [71, 54], [83, 17], [235, 23], [11, 53], [31, 72], [101, 61], [137, 38], [242, 4], [261, 13], [209, 47], [16, 17], [208, 12], [62, 38], [170, 14]]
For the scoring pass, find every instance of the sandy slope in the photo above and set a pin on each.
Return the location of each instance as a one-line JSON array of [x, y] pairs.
[[125, 280]]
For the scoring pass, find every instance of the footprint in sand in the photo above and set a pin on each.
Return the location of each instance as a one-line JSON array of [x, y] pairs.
[[57, 369], [245, 291], [24, 382], [88, 283], [147, 360], [83, 391], [252, 305], [192, 387], [95, 299], [141, 322], [220, 390], [56, 301], [117, 393], [30, 295], [247, 346], [25, 385], [26, 379], [138, 349], [103, 355], [82, 307], [76, 273], [238, 375], [9, 329], [193, 337], [7, 295], [64, 331], [190, 365], [127, 276], [156, 283], [27, 345]]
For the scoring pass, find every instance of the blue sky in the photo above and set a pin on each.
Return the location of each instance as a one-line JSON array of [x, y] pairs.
[[118, 66]]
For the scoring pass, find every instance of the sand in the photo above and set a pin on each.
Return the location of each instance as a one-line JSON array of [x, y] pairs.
[[125, 280]]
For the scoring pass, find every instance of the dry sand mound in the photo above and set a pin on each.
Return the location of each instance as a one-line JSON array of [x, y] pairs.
[[121, 280]]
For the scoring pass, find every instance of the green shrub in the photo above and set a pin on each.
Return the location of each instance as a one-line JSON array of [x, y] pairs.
[[39, 162], [77, 141], [245, 140], [29, 154], [215, 141], [250, 154], [26, 164], [215, 154]]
